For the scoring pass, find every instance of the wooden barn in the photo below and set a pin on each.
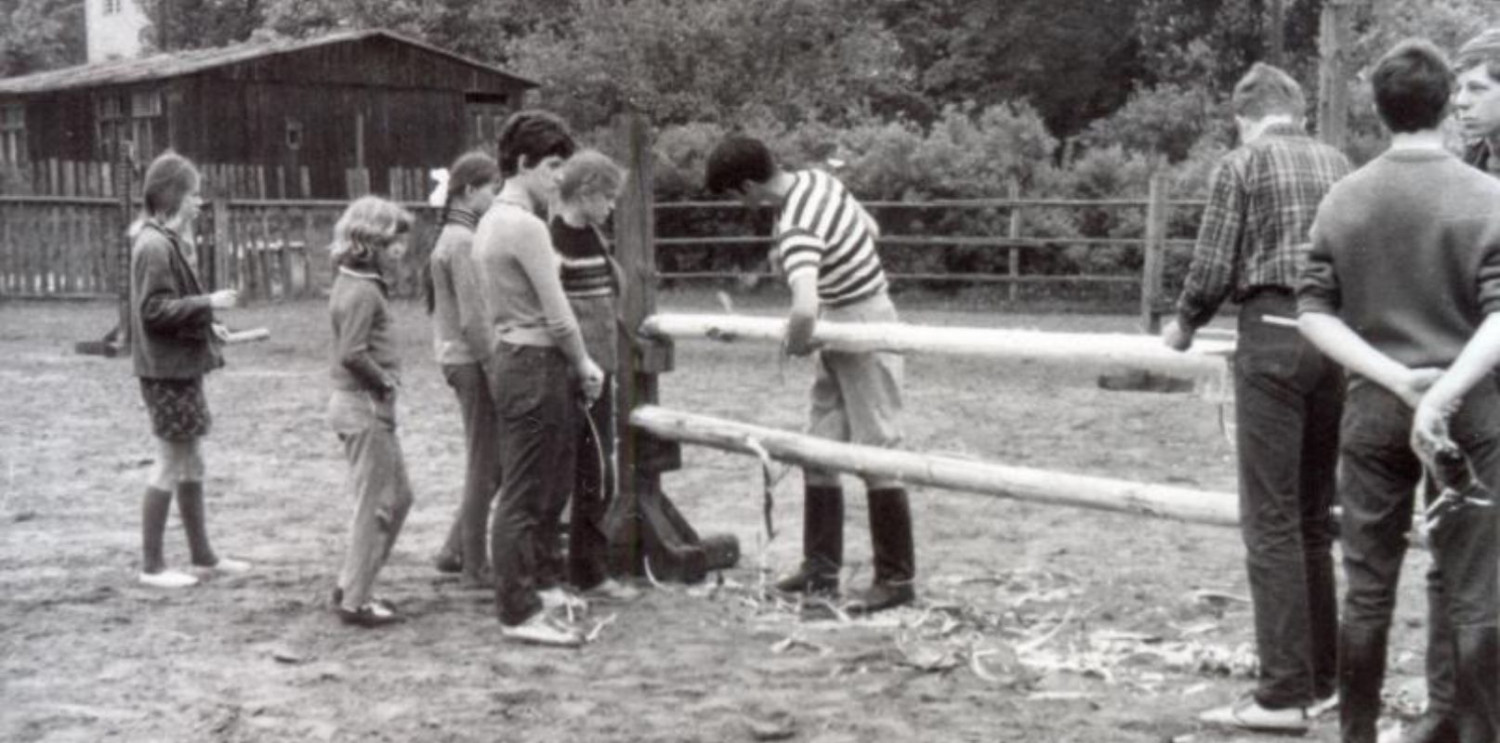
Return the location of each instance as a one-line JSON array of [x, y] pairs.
[[321, 114]]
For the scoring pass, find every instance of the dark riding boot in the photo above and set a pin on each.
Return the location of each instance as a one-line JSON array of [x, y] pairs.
[[822, 543], [1361, 674], [895, 555], [1477, 713]]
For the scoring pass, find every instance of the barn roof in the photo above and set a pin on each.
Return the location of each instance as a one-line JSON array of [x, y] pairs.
[[176, 64]]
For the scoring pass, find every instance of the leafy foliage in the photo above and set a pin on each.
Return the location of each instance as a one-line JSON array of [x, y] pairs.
[[40, 34]]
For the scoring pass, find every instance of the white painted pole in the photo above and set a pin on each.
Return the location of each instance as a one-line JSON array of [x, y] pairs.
[[1020, 483], [1205, 361]]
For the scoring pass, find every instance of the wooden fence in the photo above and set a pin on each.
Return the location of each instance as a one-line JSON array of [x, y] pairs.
[[59, 247], [70, 178], [275, 249]]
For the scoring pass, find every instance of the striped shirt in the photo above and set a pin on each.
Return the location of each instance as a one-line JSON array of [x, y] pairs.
[[822, 231], [585, 270], [1254, 234]]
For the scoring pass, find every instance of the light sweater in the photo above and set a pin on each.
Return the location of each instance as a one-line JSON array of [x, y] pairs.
[[458, 324], [519, 279]]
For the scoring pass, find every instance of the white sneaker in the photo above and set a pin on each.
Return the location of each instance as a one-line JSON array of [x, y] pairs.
[[557, 598], [542, 629], [613, 590], [1247, 714], [225, 566], [167, 579], [1323, 706]]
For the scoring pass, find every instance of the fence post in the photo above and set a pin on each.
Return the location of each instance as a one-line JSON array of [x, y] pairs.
[[125, 173], [1013, 253], [218, 279], [1153, 249], [641, 360]]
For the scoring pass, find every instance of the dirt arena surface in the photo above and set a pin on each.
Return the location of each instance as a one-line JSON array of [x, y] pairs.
[[1036, 623]]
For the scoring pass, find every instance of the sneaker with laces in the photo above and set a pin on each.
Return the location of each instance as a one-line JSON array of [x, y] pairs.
[[613, 590], [225, 566], [373, 614], [167, 579], [542, 629], [1323, 706], [557, 598], [1247, 714]]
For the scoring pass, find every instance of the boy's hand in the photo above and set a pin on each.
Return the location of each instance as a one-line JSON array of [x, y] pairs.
[[1177, 337], [1413, 386], [1429, 429], [799, 339]]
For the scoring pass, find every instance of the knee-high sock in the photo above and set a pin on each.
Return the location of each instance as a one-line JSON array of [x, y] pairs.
[[194, 522]]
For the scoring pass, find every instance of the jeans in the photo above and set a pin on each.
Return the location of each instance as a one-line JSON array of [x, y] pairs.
[[1380, 474], [1288, 401], [593, 491], [535, 400]]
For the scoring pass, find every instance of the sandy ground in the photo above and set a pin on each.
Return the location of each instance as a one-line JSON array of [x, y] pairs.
[[1036, 623]]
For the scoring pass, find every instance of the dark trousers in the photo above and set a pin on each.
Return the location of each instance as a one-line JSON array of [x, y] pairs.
[[593, 491], [1288, 401], [535, 405], [469, 535], [1380, 475]]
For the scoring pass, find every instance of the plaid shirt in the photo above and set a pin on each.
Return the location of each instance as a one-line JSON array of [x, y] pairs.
[[1254, 234]]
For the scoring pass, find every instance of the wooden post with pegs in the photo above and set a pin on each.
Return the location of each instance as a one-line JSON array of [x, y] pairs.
[[644, 526]]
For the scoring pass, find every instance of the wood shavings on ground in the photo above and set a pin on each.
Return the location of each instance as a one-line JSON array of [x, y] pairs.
[[1007, 629]]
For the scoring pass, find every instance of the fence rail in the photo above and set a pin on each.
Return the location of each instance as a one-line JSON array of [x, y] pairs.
[[89, 178], [273, 249]]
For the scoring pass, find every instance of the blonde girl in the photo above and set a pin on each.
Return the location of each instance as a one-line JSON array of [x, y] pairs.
[[362, 410]]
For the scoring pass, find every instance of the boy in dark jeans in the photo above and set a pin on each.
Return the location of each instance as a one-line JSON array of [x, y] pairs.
[[1401, 283]]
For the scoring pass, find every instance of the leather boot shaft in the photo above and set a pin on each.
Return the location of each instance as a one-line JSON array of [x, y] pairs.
[[891, 537]]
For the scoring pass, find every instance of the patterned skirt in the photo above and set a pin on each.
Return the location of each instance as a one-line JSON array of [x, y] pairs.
[[179, 412]]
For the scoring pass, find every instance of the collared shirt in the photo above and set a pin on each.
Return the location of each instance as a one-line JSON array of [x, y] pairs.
[[1254, 234]]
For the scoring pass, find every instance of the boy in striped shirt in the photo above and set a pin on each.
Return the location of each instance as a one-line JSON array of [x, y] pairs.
[[825, 244]]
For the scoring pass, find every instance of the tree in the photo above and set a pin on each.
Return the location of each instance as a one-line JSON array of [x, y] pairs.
[[726, 61], [1069, 58], [195, 24], [39, 35], [476, 28]]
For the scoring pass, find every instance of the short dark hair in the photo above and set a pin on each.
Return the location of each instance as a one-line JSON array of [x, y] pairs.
[[1266, 90], [534, 135], [1483, 49], [1412, 84], [169, 179], [736, 160]]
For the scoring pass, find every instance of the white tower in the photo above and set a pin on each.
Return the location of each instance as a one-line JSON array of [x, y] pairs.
[[113, 29]]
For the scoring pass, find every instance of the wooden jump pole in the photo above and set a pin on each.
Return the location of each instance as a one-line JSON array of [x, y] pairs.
[[1019, 483], [1205, 361]]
